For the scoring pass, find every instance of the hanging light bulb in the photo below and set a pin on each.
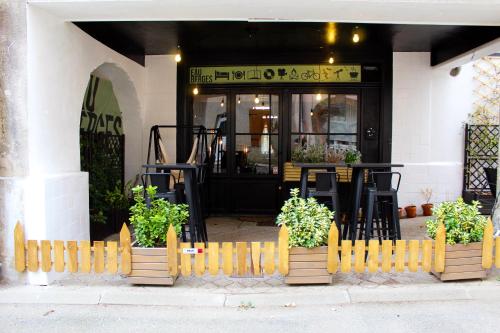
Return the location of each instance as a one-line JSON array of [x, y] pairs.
[[195, 91], [355, 36], [239, 100], [318, 97], [222, 103], [331, 60], [257, 100], [312, 113], [178, 57]]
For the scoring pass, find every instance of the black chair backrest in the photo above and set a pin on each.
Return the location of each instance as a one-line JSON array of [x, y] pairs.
[[326, 181], [384, 180], [491, 177], [159, 179]]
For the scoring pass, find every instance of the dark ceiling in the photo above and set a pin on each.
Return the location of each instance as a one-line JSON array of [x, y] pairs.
[[136, 39]]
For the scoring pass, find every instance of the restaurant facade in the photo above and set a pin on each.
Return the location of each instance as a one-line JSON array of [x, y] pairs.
[[386, 86]]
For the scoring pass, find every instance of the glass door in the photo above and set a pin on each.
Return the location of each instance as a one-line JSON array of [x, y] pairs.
[[256, 134]]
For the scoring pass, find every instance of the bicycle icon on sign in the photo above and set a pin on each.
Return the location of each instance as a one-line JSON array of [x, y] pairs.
[[310, 74]]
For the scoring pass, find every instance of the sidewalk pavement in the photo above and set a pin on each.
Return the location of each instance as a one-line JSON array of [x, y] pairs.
[[262, 297]]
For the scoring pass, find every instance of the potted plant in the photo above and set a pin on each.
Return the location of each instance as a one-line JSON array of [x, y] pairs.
[[352, 156], [401, 212], [411, 211], [118, 203], [151, 223], [464, 234], [308, 224], [427, 206]]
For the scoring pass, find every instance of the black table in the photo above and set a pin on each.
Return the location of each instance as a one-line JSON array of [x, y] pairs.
[[197, 229], [358, 170]]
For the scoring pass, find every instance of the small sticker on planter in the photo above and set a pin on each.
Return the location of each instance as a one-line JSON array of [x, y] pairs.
[[192, 251]]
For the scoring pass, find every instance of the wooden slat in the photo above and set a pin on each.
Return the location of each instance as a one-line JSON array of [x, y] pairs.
[[59, 256], [269, 258], [426, 255], [149, 273], [72, 256], [308, 272], [413, 247], [149, 251], [463, 261], [85, 265], [146, 258], [32, 255], [173, 264], [112, 257], [464, 254], [497, 252], [307, 264], [185, 260], [308, 257], [152, 280], [227, 258], [304, 250], [439, 248], [283, 250], [464, 247], [463, 268], [98, 256], [152, 266], [241, 258], [19, 251], [308, 280], [333, 249], [463, 276], [359, 256], [125, 249], [386, 256], [373, 253], [488, 245], [345, 262], [46, 256], [255, 256], [199, 260], [213, 258], [400, 256]]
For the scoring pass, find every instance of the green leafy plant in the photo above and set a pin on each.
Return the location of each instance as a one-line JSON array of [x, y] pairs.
[[309, 153], [151, 223], [308, 222], [117, 198], [352, 156], [463, 222]]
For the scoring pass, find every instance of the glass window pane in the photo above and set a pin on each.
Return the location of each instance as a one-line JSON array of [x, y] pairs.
[[208, 109], [308, 139], [344, 113], [295, 107], [253, 113], [275, 110], [314, 113], [217, 151], [343, 141], [252, 156]]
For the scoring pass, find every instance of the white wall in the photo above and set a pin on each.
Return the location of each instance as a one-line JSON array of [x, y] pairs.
[[160, 96], [60, 60], [429, 109]]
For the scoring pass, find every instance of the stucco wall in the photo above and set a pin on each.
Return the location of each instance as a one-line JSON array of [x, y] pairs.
[[429, 109]]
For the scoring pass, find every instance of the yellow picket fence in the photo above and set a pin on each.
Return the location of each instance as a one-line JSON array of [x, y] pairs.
[[242, 258]]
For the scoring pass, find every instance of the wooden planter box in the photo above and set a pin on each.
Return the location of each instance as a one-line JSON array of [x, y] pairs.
[[150, 266], [462, 262], [308, 266]]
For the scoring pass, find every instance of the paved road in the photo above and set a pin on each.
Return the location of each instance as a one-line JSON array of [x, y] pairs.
[[443, 316]]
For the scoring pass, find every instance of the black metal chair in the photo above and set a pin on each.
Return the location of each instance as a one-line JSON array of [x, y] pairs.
[[326, 186], [382, 206]]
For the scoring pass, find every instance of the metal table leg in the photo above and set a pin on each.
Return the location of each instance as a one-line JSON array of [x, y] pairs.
[[357, 188], [303, 182], [189, 180]]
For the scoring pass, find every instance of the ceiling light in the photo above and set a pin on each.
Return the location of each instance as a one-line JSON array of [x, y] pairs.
[[178, 57], [331, 33], [195, 91], [355, 38], [222, 103], [318, 97], [256, 99], [331, 60], [239, 100]]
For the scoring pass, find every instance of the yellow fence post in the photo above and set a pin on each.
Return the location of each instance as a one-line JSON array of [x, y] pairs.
[[399, 262], [386, 255], [439, 248], [426, 255], [497, 252], [59, 256], [359, 256], [487, 260], [126, 256], [112, 257], [213, 258], [173, 265], [283, 250], [32, 255], [346, 256], [85, 265], [333, 249], [72, 256], [269, 265], [227, 258], [98, 256], [255, 256], [373, 251], [19, 253], [46, 256], [199, 259], [241, 258]]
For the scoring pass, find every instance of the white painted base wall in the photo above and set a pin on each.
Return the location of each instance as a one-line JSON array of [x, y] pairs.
[[429, 110]]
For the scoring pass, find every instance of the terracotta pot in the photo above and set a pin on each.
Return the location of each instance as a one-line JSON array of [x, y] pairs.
[[411, 211], [427, 209], [401, 212]]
